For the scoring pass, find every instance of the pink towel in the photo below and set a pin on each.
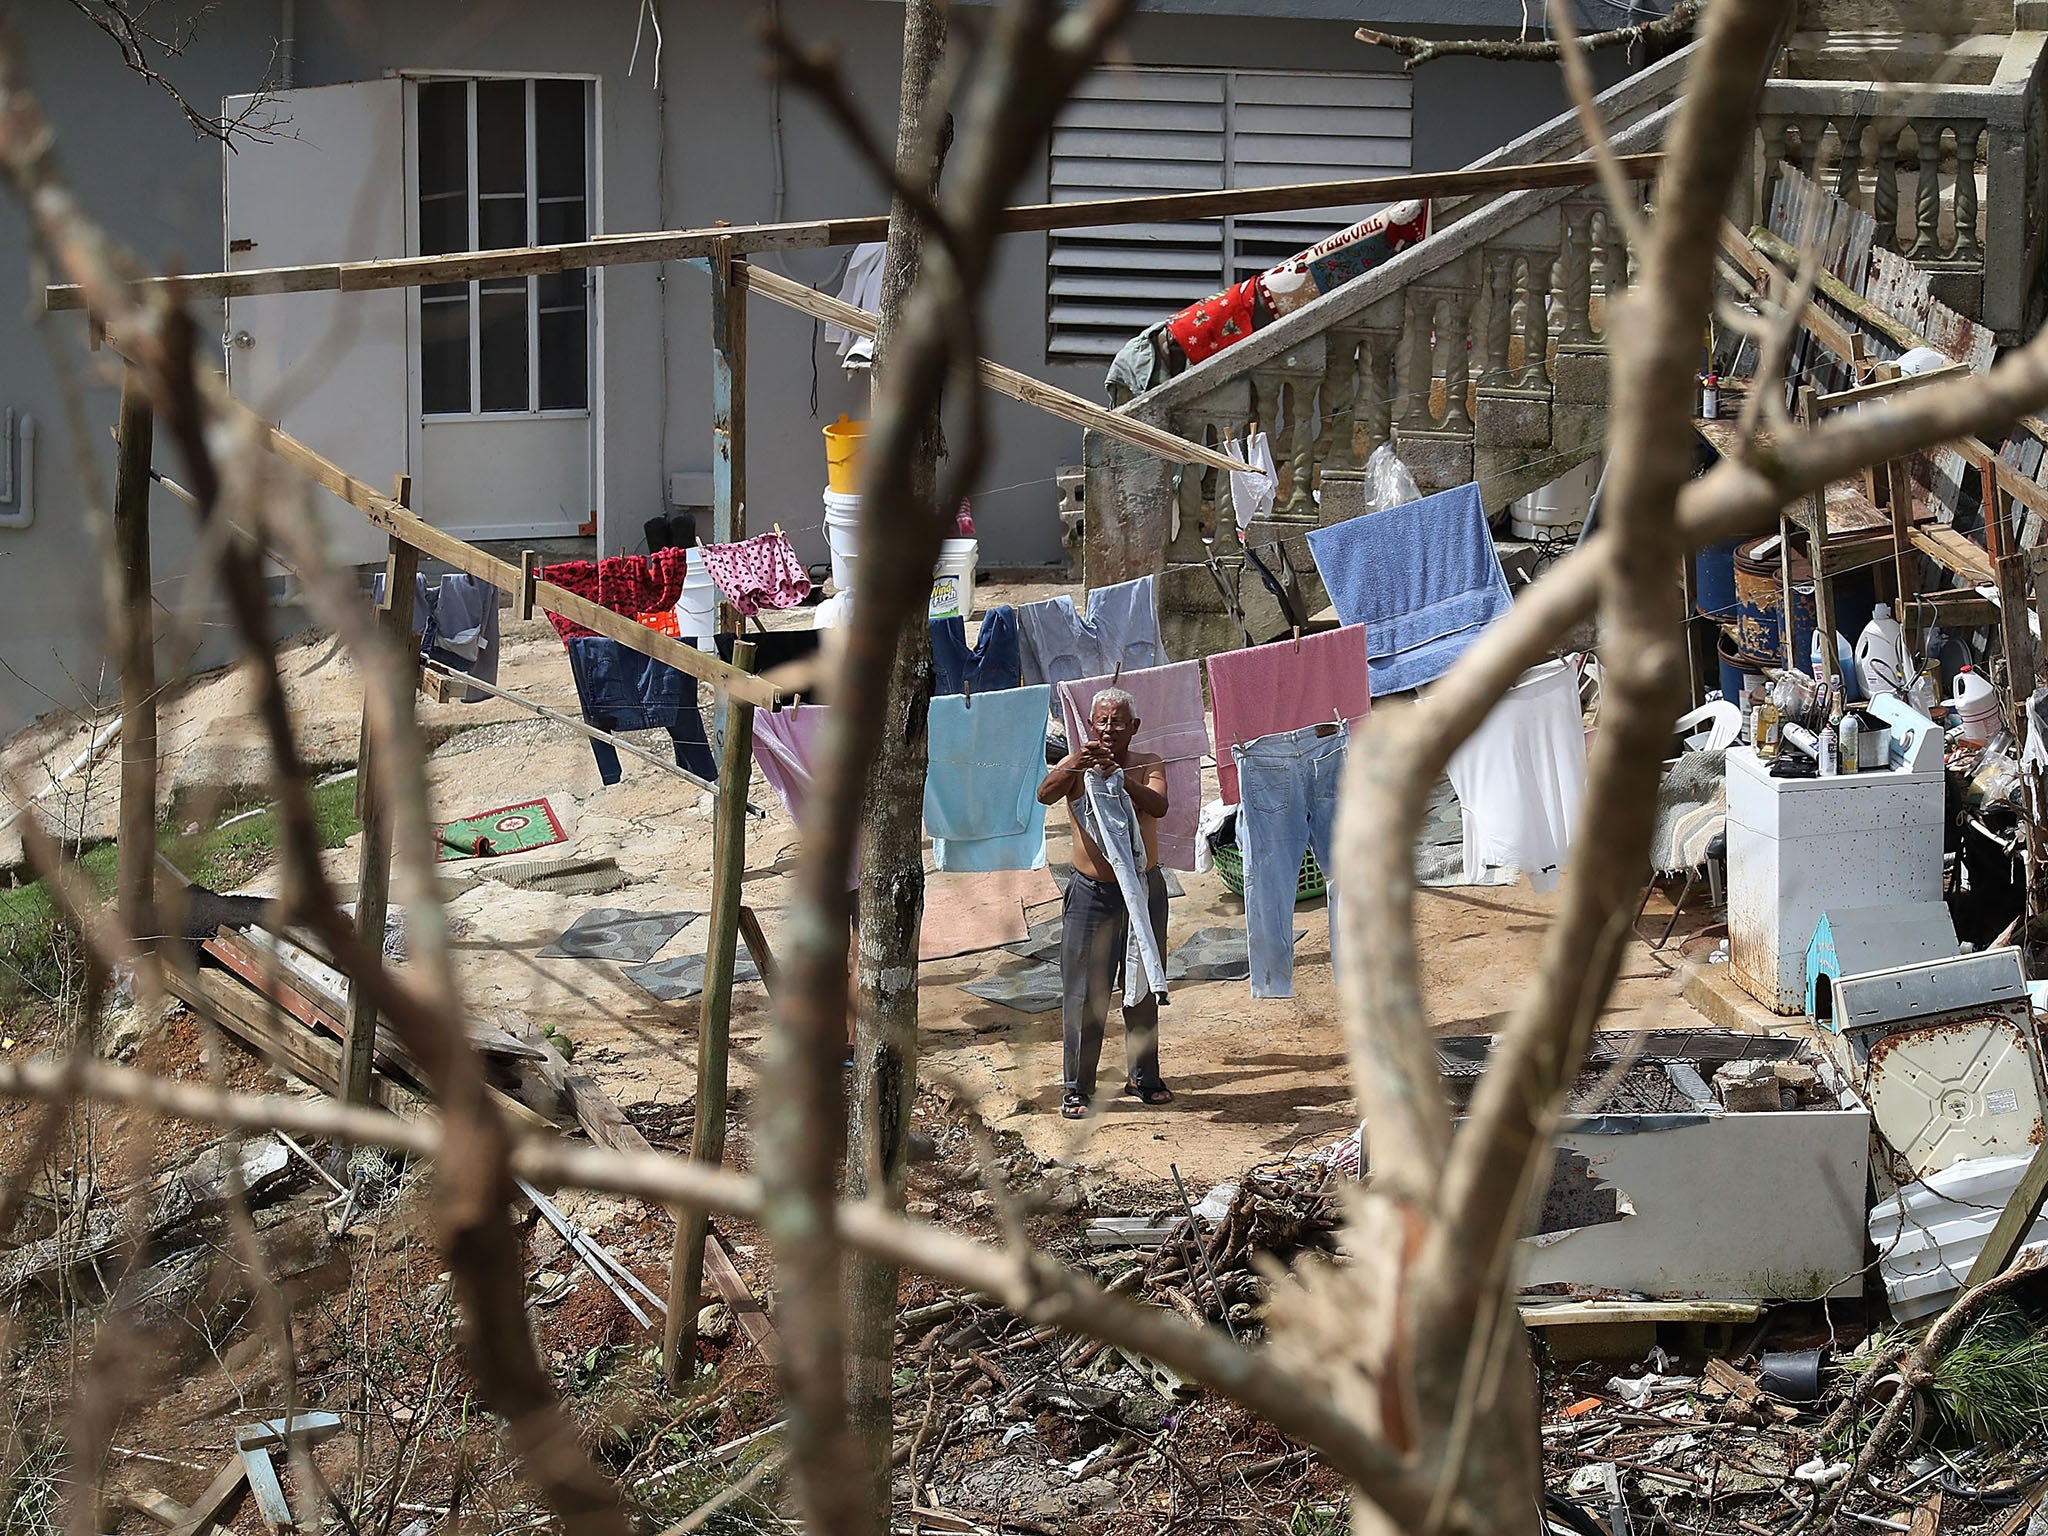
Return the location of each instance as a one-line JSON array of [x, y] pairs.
[[1170, 723], [1283, 687], [757, 573], [785, 743]]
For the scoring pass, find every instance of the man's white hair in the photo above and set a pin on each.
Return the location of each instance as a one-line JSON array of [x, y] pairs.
[[1114, 697]]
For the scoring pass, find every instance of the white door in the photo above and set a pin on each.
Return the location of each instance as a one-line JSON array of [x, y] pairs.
[[329, 368], [503, 394]]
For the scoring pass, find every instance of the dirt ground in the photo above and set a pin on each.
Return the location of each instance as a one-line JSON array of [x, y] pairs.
[[1254, 1078]]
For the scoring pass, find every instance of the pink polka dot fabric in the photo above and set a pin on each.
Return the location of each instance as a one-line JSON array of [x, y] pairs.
[[757, 573]]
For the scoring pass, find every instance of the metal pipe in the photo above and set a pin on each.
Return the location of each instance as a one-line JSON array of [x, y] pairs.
[[18, 490], [287, 43]]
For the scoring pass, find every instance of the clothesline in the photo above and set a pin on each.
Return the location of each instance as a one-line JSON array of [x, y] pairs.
[[580, 728]]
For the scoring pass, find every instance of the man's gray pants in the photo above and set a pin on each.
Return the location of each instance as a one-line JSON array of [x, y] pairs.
[[1094, 931]]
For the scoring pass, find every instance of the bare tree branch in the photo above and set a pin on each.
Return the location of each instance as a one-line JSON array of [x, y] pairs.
[[1417, 51], [127, 24]]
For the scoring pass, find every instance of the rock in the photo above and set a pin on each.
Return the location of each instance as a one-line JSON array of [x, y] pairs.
[[714, 1323], [1747, 1087], [1146, 1412], [921, 1208], [1025, 1485], [123, 1030]]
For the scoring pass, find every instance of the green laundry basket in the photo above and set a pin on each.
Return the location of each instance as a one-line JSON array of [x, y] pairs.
[[1230, 865]]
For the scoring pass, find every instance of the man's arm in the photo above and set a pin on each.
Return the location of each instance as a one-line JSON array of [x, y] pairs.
[[1063, 782], [1146, 784]]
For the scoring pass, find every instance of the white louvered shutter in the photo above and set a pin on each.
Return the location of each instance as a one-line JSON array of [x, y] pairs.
[[1130, 132]]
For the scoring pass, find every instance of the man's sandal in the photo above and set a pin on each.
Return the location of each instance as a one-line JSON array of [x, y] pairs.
[[1075, 1107], [1158, 1093]]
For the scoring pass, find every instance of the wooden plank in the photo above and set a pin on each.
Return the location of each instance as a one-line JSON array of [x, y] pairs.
[[757, 943], [682, 244], [311, 1427], [1880, 389], [1954, 553], [309, 1057], [382, 512], [1838, 292], [1567, 1314], [1004, 381], [728, 394], [739, 1300], [155, 1503], [1759, 271], [2014, 1222], [714, 1031], [216, 1503], [271, 1503]]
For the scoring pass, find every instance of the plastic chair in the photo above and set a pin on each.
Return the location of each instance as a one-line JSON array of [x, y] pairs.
[[1714, 726]]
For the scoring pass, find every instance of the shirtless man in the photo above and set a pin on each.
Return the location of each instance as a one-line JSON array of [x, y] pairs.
[[1095, 921]]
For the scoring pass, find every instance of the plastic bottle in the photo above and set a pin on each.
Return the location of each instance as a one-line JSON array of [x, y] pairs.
[[1883, 665], [1924, 692]]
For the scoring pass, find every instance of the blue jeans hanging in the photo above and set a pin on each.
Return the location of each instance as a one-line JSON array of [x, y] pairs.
[[621, 690]]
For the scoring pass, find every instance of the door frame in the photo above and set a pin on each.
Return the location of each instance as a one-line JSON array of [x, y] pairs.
[[415, 419]]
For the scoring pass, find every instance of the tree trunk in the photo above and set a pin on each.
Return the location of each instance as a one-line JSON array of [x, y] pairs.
[[891, 843]]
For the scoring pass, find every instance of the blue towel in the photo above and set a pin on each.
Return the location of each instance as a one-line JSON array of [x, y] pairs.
[[621, 690], [1423, 578], [989, 666], [987, 759]]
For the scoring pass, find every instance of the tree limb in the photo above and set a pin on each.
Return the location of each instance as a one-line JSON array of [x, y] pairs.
[[1417, 51]]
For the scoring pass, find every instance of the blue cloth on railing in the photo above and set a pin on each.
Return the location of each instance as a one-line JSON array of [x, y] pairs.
[[621, 690], [456, 618], [990, 665], [1423, 578]]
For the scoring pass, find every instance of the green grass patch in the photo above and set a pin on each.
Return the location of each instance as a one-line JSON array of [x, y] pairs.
[[37, 954]]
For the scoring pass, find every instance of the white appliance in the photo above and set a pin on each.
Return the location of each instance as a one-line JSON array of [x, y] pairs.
[[1800, 847], [1946, 1055]]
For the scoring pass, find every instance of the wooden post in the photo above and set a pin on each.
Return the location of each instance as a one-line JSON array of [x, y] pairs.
[[373, 869], [728, 394], [714, 1023], [137, 650]]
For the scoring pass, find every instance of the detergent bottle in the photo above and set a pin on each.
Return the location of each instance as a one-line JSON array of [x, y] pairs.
[[1882, 664], [1976, 705]]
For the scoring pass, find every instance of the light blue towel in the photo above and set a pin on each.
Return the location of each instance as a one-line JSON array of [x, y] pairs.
[[987, 759], [1423, 578]]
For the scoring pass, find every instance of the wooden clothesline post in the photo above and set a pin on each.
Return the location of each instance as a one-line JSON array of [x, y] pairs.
[[373, 865], [714, 1023]]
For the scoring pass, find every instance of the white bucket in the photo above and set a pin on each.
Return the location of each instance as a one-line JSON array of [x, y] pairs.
[[953, 578], [842, 532], [697, 608]]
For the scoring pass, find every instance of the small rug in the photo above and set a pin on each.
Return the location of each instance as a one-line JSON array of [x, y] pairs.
[[1033, 989], [613, 933], [564, 877], [1043, 942], [681, 977], [967, 913], [509, 829], [1215, 954]]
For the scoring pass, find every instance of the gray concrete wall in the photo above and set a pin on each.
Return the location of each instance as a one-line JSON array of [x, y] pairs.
[[710, 141]]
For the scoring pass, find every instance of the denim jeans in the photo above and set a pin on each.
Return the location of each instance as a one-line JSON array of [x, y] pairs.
[[621, 690], [1095, 926], [1287, 801], [990, 665]]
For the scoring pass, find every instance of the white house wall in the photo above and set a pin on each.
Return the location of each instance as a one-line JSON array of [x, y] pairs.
[[157, 185]]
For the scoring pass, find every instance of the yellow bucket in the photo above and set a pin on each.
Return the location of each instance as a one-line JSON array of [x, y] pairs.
[[842, 455]]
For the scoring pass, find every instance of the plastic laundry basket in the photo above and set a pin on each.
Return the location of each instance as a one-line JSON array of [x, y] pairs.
[[1230, 865]]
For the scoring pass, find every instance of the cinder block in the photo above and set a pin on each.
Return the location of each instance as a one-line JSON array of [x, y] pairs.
[[1578, 376], [1439, 462]]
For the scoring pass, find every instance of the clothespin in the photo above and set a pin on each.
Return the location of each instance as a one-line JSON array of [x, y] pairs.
[[966, 695], [1297, 638], [778, 530], [1117, 675]]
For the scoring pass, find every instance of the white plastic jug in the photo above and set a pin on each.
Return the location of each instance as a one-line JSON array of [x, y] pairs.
[[1976, 702], [1883, 665]]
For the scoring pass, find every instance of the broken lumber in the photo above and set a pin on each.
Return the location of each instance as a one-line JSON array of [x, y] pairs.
[[216, 1503]]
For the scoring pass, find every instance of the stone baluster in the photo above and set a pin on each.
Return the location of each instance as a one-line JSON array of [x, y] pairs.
[[1224, 543], [1578, 277], [1849, 174], [1500, 317], [1457, 347], [1186, 546], [1301, 448], [1927, 192], [1336, 445], [1967, 246], [1377, 387], [1272, 411], [1536, 319], [1774, 156], [1412, 375], [1613, 269], [1884, 198]]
